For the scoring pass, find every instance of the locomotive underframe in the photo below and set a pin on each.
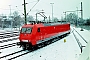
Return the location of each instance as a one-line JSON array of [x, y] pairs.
[[25, 45]]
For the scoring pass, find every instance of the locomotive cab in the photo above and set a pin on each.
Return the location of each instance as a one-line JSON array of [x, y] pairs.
[[27, 35]]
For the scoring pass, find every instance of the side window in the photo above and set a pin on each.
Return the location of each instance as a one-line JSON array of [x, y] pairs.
[[38, 30]]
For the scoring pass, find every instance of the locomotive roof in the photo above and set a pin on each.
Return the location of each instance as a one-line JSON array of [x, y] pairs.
[[41, 24], [51, 24], [28, 25], [31, 25]]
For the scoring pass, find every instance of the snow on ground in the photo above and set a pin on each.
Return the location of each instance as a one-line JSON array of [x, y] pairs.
[[9, 42], [86, 53], [85, 33], [58, 50]]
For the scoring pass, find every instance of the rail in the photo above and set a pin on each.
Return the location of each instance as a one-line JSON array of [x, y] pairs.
[[79, 43], [81, 36], [7, 40], [8, 45], [11, 54]]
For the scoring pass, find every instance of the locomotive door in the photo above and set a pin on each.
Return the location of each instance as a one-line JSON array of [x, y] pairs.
[[40, 33]]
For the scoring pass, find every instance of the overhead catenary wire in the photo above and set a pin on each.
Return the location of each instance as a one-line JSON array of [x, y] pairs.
[[32, 2], [21, 5], [19, 11], [33, 6], [79, 43]]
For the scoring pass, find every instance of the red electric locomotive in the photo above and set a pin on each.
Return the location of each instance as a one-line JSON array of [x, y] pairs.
[[33, 34]]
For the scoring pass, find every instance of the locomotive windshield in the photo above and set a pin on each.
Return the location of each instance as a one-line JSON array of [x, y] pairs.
[[26, 30]]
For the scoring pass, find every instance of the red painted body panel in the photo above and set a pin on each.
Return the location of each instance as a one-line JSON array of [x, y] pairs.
[[45, 32]]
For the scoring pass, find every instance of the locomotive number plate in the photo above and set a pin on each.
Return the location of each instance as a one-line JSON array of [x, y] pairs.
[[24, 40]]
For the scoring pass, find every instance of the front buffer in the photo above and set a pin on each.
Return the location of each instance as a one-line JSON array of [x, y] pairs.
[[27, 44]]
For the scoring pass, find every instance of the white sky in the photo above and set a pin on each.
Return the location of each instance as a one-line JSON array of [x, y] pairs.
[[58, 8]]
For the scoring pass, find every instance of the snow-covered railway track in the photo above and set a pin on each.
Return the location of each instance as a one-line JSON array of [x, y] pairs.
[[80, 40], [43, 44], [17, 52], [7, 40], [19, 55], [8, 34], [11, 54], [2, 36], [8, 46], [81, 36]]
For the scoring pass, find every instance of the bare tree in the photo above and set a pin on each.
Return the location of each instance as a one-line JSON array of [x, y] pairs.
[[72, 18], [30, 18], [55, 19], [17, 18]]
